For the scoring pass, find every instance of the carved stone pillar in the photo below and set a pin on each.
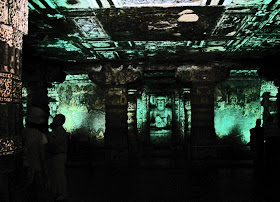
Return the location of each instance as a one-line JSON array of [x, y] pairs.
[[202, 109], [120, 131], [37, 78], [116, 123], [270, 72], [37, 95], [13, 25], [35, 81], [278, 103], [187, 110], [133, 141], [202, 79]]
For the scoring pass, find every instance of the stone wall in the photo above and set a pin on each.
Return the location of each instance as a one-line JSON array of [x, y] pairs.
[[82, 103], [238, 103]]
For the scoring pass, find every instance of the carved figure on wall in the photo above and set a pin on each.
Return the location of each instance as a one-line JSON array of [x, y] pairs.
[[160, 116]]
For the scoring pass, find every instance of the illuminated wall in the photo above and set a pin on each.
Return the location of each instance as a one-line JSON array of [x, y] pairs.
[[238, 103], [81, 103]]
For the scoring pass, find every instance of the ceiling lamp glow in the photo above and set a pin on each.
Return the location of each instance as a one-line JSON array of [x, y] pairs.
[[188, 18], [159, 3]]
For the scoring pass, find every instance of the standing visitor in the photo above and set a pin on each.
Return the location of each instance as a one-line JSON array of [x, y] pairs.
[[34, 141], [257, 143], [58, 140]]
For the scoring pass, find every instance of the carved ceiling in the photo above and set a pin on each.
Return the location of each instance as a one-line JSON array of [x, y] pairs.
[[146, 30]]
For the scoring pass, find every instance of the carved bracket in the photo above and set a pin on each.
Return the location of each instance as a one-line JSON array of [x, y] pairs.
[[203, 73], [116, 75]]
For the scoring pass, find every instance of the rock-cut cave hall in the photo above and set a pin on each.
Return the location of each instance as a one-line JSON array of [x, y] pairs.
[[144, 85]]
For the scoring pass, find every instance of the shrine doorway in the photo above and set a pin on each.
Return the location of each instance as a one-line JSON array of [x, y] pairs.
[[164, 116]]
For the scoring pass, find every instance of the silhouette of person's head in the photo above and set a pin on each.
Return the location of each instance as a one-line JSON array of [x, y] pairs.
[[58, 120], [258, 122]]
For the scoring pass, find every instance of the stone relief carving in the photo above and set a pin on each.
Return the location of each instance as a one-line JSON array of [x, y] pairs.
[[116, 96], [6, 84], [3, 11], [213, 72], [10, 88], [10, 145], [133, 73], [115, 75], [17, 87], [119, 75], [14, 16], [131, 106], [18, 11], [10, 36]]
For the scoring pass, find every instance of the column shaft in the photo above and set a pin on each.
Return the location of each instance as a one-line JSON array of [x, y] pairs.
[[202, 124], [132, 127], [116, 125]]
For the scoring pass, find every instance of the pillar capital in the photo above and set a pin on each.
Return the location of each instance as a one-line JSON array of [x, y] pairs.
[[203, 78], [213, 72], [109, 74]]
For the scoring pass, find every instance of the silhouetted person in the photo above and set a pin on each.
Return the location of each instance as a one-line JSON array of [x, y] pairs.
[[58, 141], [34, 141], [272, 146], [257, 143]]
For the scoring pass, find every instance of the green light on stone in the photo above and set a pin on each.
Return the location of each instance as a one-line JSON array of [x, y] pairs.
[[82, 103], [39, 4], [24, 103], [160, 119], [31, 7], [238, 104], [74, 117], [79, 4], [51, 4], [266, 1], [228, 119]]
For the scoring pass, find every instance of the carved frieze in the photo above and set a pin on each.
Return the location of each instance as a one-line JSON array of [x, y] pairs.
[[13, 21], [116, 96], [117, 75], [202, 94], [4, 11], [10, 88], [97, 74], [18, 15], [133, 73], [10, 36], [207, 73], [10, 145]]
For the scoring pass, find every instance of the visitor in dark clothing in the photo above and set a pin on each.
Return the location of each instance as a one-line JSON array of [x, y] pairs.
[[58, 141], [34, 141], [257, 142]]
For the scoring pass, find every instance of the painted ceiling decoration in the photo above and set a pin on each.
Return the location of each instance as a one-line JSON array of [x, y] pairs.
[[138, 30]]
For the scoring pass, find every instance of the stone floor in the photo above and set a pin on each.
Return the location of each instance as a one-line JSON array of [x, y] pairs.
[[168, 179], [168, 176]]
